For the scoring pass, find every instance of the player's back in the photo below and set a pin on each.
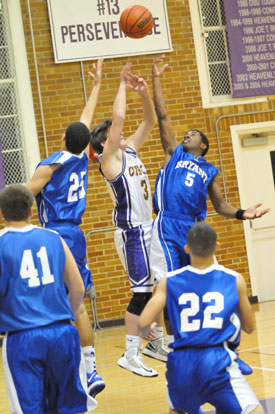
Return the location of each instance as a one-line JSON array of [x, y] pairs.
[[202, 306], [32, 289], [130, 192], [183, 186], [63, 199]]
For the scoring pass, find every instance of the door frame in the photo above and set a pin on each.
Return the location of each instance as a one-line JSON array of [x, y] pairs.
[[237, 132]]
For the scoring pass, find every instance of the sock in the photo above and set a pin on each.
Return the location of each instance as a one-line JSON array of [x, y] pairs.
[[158, 331], [88, 353], [170, 339], [132, 341]]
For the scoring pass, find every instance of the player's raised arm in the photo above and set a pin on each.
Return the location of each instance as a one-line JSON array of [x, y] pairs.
[[111, 163], [139, 85], [88, 112], [168, 139], [152, 310], [41, 177], [227, 210], [72, 279], [245, 309]]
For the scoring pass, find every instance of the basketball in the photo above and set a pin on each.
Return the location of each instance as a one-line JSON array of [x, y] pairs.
[[136, 21]]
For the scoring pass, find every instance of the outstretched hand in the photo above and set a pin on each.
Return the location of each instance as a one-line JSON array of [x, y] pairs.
[[253, 212], [97, 72], [137, 84], [156, 69], [124, 73]]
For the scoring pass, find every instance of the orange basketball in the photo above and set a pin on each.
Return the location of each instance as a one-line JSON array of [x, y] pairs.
[[136, 21]]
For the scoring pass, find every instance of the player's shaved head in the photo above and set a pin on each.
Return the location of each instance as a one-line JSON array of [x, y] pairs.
[[202, 239]]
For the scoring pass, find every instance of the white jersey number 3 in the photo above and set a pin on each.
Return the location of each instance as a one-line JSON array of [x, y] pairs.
[[208, 321], [29, 271]]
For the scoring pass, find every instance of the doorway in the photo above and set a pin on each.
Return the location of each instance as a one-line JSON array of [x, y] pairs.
[[254, 153]]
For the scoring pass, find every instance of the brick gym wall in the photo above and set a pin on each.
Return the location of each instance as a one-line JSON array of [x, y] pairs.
[[63, 101]]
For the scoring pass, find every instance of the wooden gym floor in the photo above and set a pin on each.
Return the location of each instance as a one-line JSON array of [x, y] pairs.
[[126, 393]]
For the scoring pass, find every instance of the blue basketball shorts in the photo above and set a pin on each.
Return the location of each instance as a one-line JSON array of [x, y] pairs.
[[196, 376], [45, 371], [167, 245], [74, 237], [133, 249]]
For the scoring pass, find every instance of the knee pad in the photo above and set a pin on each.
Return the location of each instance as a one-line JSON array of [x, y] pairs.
[[138, 302]]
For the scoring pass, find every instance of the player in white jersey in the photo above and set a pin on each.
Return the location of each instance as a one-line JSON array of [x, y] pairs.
[[129, 187], [60, 186], [44, 369], [207, 303]]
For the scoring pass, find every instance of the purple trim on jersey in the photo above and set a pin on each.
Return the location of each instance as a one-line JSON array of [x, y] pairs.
[[122, 195], [136, 258], [131, 151]]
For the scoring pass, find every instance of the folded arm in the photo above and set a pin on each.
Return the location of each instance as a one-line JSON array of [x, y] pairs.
[[41, 177]]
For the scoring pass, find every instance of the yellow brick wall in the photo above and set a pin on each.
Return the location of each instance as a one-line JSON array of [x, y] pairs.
[[63, 101]]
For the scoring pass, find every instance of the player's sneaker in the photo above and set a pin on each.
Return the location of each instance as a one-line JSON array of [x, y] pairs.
[[95, 384], [244, 367], [156, 349], [133, 361]]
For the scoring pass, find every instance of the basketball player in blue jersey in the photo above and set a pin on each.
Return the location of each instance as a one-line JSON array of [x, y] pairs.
[[207, 304], [60, 186], [44, 369], [128, 183], [183, 184]]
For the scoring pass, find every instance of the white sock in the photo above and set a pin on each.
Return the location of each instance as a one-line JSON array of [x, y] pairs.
[[170, 339], [132, 341], [158, 331], [89, 358]]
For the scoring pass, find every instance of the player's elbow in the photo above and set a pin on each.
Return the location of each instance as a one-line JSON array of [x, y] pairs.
[[248, 327], [162, 116], [81, 292], [118, 120]]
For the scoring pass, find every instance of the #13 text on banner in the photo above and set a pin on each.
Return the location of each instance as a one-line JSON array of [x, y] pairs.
[[89, 29]]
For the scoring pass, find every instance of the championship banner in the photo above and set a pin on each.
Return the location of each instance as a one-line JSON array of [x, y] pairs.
[[89, 29], [251, 35]]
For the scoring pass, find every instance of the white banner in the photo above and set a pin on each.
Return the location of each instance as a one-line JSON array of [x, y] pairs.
[[89, 29]]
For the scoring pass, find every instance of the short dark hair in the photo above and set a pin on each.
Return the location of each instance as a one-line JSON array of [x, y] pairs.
[[204, 140], [77, 137], [99, 135], [15, 202], [202, 239]]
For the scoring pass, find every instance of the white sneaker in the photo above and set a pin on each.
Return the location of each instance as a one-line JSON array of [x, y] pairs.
[[133, 361], [156, 349]]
